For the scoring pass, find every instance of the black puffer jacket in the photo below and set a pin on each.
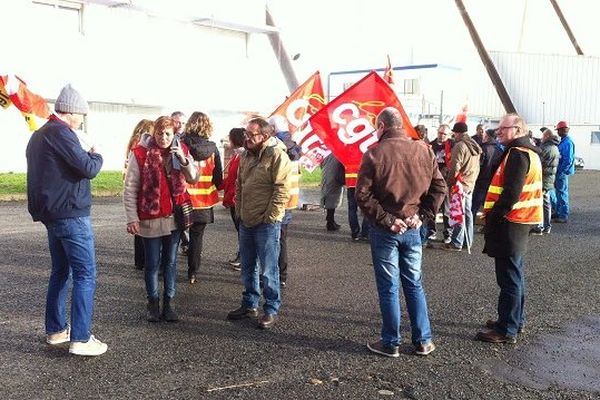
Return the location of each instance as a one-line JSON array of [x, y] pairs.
[[504, 238], [201, 149]]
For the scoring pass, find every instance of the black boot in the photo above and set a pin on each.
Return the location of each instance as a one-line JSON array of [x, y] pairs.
[[331, 225], [153, 310], [168, 312]]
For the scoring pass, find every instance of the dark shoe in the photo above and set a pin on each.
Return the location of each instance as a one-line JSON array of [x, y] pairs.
[[491, 336], [168, 313], [363, 238], [236, 262], [546, 231], [424, 349], [491, 324], [192, 279], [536, 231], [153, 310], [184, 250], [451, 247], [266, 321], [139, 267], [242, 313], [381, 349], [332, 226]]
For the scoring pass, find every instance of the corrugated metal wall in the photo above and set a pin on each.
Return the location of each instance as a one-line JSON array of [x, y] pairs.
[[548, 88]]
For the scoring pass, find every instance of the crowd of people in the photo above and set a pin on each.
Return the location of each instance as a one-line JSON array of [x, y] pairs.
[[173, 174]]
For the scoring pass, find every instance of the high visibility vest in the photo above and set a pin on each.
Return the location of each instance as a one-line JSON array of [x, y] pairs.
[[351, 179], [204, 193], [294, 179], [529, 207]]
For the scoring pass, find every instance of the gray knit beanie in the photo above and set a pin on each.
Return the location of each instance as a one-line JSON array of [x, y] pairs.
[[70, 101]]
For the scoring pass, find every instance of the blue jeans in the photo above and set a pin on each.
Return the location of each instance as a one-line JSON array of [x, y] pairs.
[[560, 197], [161, 252], [458, 231], [397, 258], [259, 253], [71, 243], [478, 199], [511, 301], [355, 227]]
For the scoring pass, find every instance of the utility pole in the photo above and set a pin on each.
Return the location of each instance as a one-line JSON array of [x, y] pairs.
[[487, 61], [565, 25], [282, 56]]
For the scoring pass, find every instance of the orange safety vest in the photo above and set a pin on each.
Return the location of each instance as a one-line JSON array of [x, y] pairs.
[[529, 207], [351, 179], [204, 193], [294, 178]]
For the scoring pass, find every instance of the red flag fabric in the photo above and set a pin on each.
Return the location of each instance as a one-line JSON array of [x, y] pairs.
[[462, 115], [388, 73], [25, 100], [457, 204], [347, 124], [306, 100]]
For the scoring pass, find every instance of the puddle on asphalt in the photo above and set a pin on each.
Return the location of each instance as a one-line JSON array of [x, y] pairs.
[[568, 359]]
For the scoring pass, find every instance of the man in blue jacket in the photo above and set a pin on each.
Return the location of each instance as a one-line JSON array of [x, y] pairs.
[[58, 192], [566, 167]]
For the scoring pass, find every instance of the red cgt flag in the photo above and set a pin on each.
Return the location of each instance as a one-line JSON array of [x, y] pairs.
[[347, 124], [26, 101], [306, 100]]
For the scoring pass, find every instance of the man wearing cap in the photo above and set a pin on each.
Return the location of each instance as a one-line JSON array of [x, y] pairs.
[[59, 171], [464, 168], [566, 167]]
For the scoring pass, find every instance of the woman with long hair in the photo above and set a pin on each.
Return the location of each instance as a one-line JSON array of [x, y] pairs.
[[158, 174], [204, 194]]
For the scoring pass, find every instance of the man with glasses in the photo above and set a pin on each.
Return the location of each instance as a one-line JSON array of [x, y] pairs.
[[180, 119], [262, 193], [442, 147], [513, 205]]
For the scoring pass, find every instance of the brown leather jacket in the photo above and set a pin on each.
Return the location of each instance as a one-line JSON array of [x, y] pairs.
[[398, 179]]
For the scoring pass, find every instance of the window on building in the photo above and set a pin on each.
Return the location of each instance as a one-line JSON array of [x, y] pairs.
[[595, 137], [67, 16]]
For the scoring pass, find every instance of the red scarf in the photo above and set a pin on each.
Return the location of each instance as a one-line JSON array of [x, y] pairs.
[[151, 178]]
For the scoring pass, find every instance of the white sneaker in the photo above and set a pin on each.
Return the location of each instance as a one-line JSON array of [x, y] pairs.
[[58, 337], [92, 347]]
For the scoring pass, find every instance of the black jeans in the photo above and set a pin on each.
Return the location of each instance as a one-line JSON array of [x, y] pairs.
[[283, 258], [195, 248]]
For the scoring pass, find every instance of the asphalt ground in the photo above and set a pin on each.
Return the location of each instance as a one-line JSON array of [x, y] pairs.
[[330, 310]]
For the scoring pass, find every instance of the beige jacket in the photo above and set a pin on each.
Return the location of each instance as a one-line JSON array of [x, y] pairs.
[[263, 184], [157, 227], [465, 162]]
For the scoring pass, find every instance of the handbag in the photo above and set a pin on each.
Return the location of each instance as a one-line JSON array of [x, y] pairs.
[[183, 214]]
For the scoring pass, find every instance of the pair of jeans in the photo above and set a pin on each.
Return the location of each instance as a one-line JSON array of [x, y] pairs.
[[462, 232], [259, 252], [71, 244], [397, 259], [560, 196], [510, 277], [355, 228], [283, 255], [546, 224], [194, 256], [479, 194], [161, 252]]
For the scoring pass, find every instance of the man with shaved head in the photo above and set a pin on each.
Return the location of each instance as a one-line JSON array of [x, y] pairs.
[[398, 185]]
